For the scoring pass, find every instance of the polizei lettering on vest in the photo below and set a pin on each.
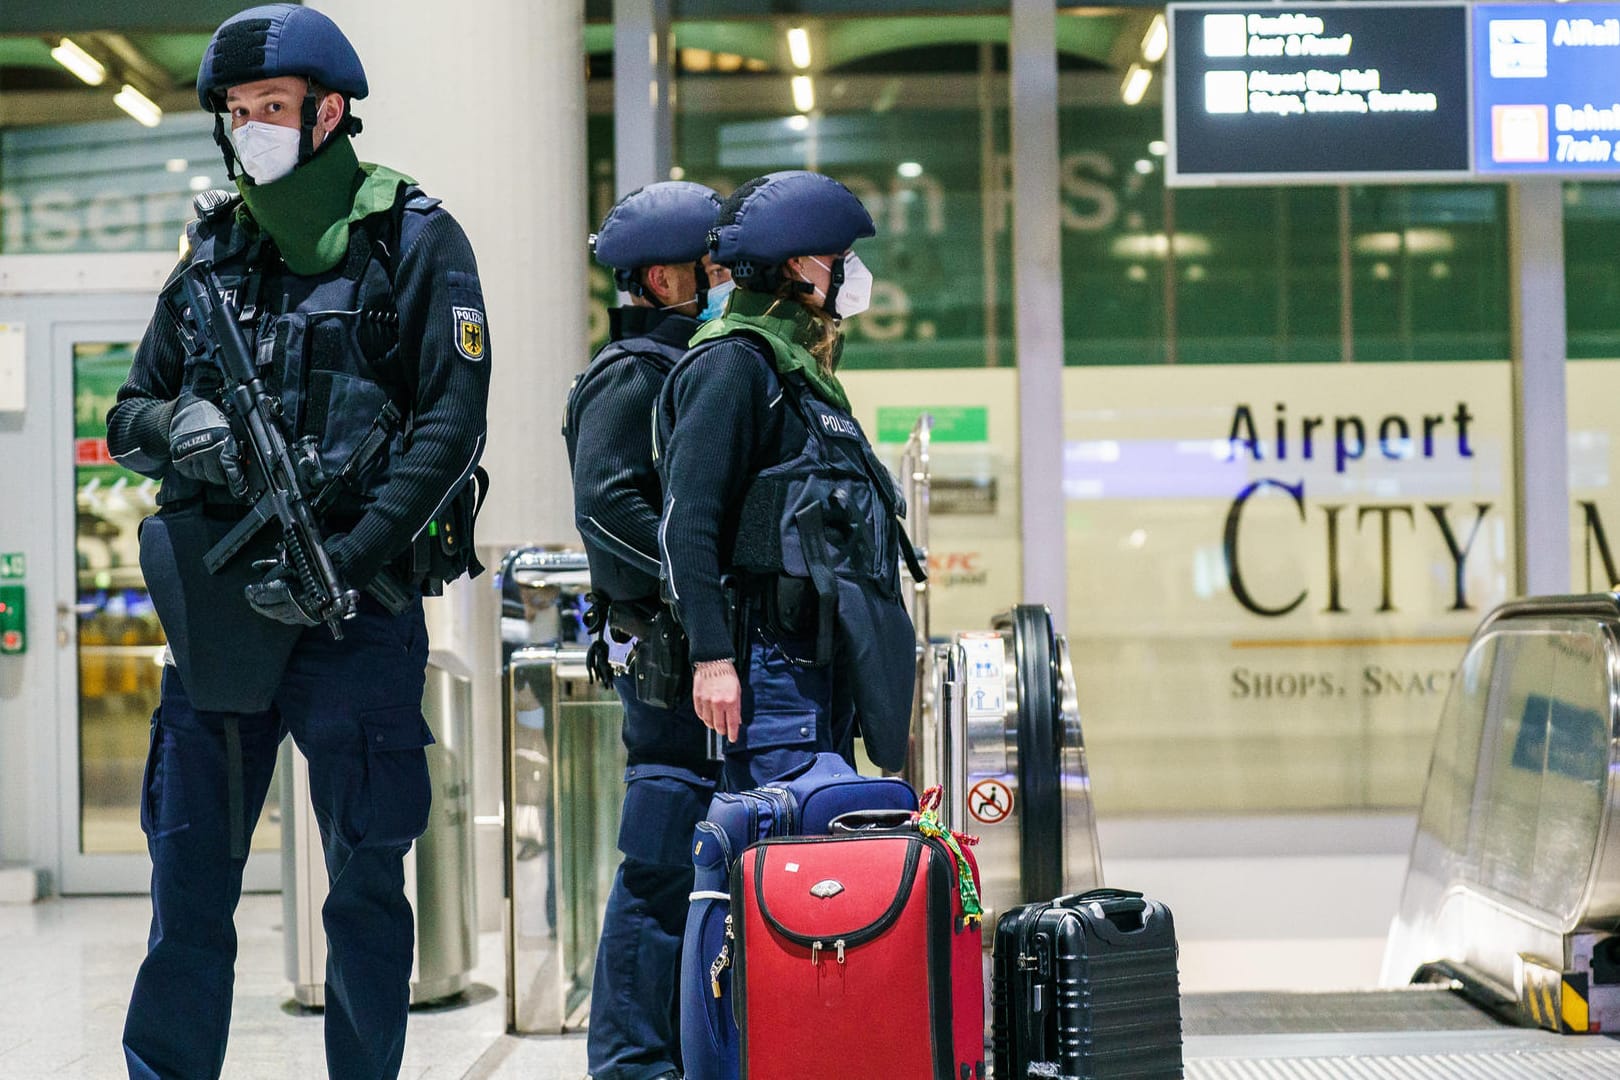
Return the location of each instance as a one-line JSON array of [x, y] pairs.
[[838, 425]]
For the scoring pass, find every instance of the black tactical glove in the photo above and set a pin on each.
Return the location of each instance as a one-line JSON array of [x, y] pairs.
[[201, 446], [279, 596]]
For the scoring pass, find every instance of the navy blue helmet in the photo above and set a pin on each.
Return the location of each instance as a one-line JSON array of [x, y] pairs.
[[278, 39], [779, 215], [664, 223]]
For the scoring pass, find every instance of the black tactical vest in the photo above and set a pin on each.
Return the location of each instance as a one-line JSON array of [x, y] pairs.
[[326, 344], [656, 340], [831, 513]]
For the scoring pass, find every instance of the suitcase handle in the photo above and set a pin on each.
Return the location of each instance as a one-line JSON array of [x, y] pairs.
[[867, 821], [1114, 905]]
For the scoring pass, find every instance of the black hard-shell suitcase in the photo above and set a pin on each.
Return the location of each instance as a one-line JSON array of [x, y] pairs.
[[1085, 987]]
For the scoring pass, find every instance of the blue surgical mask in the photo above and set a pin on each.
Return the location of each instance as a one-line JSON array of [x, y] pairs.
[[717, 300]]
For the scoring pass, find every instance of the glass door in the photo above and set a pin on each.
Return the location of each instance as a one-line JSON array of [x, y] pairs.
[[111, 642]]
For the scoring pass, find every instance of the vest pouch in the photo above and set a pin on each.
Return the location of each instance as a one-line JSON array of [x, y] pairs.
[[341, 411]]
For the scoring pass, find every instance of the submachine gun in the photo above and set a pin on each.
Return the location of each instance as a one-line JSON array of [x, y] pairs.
[[281, 477]]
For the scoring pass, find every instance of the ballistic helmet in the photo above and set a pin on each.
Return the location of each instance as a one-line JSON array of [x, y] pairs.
[[774, 217], [278, 39], [663, 223]]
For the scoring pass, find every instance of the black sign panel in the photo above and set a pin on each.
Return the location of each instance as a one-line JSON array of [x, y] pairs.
[[1319, 94]]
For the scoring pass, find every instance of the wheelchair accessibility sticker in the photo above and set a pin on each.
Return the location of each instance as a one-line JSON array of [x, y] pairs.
[[990, 801]]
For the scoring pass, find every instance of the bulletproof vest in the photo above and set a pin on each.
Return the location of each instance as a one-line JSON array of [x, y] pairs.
[[656, 340], [829, 511], [327, 345]]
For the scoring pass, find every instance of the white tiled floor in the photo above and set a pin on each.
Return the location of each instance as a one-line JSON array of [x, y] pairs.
[[66, 967]]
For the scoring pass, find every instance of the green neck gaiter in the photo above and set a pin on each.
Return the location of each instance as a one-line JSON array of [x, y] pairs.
[[308, 212], [789, 328]]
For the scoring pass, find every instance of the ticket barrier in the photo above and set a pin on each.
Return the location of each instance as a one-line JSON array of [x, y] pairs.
[[1001, 733], [564, 784]]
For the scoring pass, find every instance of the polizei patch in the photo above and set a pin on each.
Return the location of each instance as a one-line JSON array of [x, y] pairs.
[[469, 332]]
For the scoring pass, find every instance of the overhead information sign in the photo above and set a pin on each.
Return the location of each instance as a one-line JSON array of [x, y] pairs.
[[1547, 88], [1273, 93]]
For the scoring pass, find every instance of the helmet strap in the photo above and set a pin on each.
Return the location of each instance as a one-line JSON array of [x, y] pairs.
[[830, 302], [225, 145], [700, 279], [306, 126]]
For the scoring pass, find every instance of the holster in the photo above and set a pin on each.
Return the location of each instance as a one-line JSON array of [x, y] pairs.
[[659, 661]]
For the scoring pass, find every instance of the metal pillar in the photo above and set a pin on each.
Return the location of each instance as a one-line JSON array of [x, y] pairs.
[[1038, 302], [1540, 419], [642, 89]]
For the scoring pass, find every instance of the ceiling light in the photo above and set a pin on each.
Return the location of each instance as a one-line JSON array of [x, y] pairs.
[[81, 63], [1155, 41], [1136, 84], [798, 123], [677, 173], [804, 93], [1158, 148], [909, 169], [798, 41], [176, 164], [138, 105], [201, 183]]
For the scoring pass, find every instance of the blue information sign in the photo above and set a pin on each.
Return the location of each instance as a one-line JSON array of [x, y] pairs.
[[1546, 88]]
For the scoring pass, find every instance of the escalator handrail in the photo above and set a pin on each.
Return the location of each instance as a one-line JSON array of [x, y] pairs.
[[1039, 737]]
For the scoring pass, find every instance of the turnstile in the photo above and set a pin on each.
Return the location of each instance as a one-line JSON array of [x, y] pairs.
[[438, 869], [565, 766], [1001, 733]]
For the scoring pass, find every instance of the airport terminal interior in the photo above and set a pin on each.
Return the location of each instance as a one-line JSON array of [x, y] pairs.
[[1250, 373]]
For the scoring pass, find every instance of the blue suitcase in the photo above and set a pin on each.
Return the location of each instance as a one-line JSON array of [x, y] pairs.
[[803, 803]]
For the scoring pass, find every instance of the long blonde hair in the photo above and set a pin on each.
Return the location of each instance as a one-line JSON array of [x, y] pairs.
[[824, 333]]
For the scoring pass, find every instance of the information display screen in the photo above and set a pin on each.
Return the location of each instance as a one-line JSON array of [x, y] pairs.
[[1273, 93], [1546, 88]]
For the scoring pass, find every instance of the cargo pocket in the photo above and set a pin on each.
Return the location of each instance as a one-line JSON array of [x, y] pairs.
[[399, 792], [163, 797], [662, 805]]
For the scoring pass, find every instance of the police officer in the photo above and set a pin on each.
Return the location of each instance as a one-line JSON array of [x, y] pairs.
[[655, 241], [780, 528], [360, 300]]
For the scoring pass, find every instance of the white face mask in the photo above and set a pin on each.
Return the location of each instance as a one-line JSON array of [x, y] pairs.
[[855, 294], [267, 152]]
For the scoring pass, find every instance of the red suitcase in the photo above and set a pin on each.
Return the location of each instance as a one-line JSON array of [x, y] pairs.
[[855, 959]]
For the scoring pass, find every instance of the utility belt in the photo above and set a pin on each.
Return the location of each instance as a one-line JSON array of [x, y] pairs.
[[659, 661], [783, 606]]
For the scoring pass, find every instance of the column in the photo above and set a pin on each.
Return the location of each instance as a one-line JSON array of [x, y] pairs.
[[1038, 303], [1540, 420]]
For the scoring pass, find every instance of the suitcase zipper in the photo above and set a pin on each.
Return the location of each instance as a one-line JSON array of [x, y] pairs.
[[721, 962], [817, 946]]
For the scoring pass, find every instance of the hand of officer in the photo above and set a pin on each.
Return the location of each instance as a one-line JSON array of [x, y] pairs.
[[276, 597], [717, 697], [201, 446]]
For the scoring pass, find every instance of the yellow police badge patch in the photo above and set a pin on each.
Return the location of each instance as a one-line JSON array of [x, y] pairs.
[[469, 332]]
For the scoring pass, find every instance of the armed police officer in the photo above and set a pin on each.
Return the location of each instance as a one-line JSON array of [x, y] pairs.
[[780, 528], [359, 303], [655, 241]]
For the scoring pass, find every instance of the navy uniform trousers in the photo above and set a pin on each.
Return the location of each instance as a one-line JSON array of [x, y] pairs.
[[355, 709]]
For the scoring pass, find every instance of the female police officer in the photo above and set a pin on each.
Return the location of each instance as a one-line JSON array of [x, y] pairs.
[[780, 538], [655, 241]]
